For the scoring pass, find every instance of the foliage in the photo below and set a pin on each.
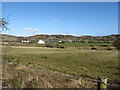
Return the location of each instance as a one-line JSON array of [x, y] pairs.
[[116, 43]]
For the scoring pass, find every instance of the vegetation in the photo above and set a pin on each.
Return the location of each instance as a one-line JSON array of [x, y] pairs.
[[26, 77], [33, 64], [116, 43], [66, 38], [84, 44], [3, 24], [85, 63]]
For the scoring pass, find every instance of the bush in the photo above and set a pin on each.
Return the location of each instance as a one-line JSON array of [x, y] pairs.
[[116, 43], [109, 48], [93, 48]]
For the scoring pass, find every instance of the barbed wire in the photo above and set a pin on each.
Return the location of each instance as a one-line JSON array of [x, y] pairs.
[[60, 73], [51, 80]]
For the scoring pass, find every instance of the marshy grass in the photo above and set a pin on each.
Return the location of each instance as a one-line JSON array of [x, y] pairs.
[[85, 63]]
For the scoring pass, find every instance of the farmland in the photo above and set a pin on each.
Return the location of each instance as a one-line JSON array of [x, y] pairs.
[[59, 45], [58, 65], [73, 61]]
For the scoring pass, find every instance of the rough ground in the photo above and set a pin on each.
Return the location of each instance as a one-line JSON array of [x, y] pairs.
[[24, 77]]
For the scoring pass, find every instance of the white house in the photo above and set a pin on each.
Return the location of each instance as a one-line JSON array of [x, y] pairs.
[[25, 41], [41, 42], [70, 40], [60, 41]]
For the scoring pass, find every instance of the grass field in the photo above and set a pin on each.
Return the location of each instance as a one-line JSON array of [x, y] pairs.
[[85, 63], [83, 44], [66, 44]]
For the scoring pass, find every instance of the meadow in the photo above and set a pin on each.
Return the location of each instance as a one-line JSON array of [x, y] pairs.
[[66, 44], [73, 61], [83, 44]]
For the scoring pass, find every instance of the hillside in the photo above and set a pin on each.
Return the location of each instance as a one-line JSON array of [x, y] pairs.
[[86, 38]]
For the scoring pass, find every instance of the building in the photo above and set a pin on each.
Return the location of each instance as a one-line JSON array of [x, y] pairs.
[[41, 42], [27, 41], [52, 42]]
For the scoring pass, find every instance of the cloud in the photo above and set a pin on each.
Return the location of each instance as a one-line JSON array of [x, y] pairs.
[[56, 20], [33, 30], [61, 33], [19, 35], [53, 21], [28, 29]]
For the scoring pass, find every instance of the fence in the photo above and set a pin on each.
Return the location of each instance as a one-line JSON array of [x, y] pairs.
[[102, 81]]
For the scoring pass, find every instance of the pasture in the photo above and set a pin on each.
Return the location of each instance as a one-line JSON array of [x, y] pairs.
[[66, 44], [85, 63], [76, 44]]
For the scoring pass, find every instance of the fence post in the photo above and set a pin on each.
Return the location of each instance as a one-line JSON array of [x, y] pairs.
[[102, 83]]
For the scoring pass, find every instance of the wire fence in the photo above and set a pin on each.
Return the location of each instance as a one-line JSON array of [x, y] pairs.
[[8, 85], [63, 74]]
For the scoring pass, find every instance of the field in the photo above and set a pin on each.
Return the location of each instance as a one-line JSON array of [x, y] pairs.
[[66, 44], [83, 44], [72, 61]]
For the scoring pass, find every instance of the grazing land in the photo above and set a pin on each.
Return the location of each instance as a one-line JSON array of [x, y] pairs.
[[84, 44], [73, 61]]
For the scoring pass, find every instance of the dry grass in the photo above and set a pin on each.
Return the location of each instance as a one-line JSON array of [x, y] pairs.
[[25, 77], [74, 61]]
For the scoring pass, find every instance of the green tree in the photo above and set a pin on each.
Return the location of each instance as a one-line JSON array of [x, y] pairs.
[[116, 43]]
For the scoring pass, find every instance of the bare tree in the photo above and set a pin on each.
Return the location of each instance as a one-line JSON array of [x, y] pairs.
[[3, 24]]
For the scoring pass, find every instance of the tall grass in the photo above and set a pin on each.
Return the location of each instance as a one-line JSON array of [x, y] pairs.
[[87, 63]]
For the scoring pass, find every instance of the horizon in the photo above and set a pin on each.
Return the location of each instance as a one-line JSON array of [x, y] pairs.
[[59, 34], [66, 18]]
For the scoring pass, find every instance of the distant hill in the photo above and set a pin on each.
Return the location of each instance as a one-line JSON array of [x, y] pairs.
[[52, 37], [85, 38]]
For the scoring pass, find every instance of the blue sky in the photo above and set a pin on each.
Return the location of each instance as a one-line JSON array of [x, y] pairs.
[[78, 18]]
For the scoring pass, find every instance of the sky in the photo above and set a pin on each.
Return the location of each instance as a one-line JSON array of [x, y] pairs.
[[68, 18], [60, 0]]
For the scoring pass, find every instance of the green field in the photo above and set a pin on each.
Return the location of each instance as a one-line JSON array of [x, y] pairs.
[[83, 44], [85, 63], [66, 44]]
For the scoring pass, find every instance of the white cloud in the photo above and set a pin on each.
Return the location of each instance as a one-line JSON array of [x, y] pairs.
[[56, 20], [19, 35], [32, 29], [28, 29]]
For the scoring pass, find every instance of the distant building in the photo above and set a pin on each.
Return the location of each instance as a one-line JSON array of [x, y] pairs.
[[52, 42], [27, 41], [61, 42], [4, 43], [41, 42], [70, 41]]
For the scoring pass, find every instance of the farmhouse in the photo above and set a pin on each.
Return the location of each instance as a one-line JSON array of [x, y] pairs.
[[61, 42], [41, 42], [70, 41], [27, 41], [4, 43]]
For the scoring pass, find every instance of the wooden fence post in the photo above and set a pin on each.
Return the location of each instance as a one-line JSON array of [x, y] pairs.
[[102, 83]]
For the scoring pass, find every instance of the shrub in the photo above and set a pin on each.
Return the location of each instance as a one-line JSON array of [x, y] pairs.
[[93, 48]]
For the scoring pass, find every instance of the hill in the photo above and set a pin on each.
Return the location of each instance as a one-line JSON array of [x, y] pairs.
[[83, 39]]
